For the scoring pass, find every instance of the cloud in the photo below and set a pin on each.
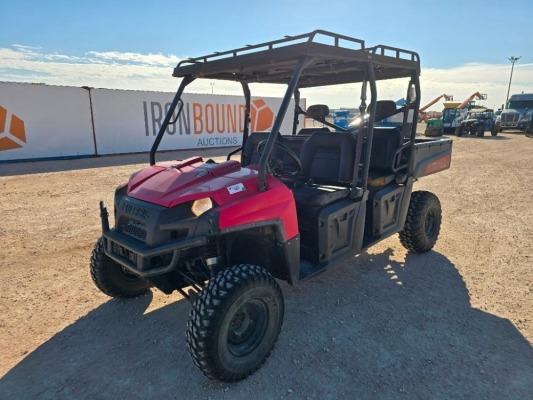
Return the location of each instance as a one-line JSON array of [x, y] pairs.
[[109, 70], [134, 58], [126, 70]]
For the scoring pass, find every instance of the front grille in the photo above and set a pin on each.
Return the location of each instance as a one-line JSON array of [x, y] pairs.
[[134, 230], [510, 118], [123, 252]]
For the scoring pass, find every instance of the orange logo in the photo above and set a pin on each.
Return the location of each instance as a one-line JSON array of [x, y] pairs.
[[14, 135], [261, 115]]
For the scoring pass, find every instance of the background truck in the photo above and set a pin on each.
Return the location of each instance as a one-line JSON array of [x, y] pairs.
[[515, 111], [221, 233]]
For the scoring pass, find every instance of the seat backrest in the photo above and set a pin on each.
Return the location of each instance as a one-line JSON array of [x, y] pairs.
[[249, 154], [318, 111], [310, 131], [328, 157], [385, 142], [385, 109]]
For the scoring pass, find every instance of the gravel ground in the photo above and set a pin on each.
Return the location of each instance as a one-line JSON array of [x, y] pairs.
[[456, 322]]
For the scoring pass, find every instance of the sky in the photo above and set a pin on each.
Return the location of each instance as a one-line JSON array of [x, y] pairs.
[[464, 46]]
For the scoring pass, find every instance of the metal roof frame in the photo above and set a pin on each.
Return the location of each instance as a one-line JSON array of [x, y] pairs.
[[341, 61]]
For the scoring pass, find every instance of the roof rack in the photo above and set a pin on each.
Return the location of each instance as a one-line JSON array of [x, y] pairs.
[[394, 52], [306, 37], [335, 59]]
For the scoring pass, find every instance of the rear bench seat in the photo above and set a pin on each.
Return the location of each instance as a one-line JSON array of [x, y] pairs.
[[327, 167]]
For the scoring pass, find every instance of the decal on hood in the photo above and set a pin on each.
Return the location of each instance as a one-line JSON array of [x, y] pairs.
[[239, 187]]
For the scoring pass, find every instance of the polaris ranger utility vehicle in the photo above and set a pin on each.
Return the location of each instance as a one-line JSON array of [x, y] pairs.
[[221, 233]]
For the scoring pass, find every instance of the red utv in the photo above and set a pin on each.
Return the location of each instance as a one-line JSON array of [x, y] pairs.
[[297, 202]]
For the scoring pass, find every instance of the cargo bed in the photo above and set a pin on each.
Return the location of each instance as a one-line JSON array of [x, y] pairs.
[[431, 155]]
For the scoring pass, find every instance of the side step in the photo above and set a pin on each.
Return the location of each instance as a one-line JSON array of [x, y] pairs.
[[308, 269]]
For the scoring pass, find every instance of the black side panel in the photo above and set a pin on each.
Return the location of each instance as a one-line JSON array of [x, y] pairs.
[[386, 209], [308, 227], [387, 212], [336, 229], [330, 232]]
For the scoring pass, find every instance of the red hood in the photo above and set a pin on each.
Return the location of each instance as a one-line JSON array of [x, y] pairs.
[[174, 182], [235, 191]]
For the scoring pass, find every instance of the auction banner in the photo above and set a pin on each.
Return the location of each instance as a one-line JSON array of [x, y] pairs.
[[127, 121], [38, 121]]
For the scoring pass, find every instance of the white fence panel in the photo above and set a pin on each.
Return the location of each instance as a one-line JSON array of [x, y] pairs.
[[128, 121], [38, 121]]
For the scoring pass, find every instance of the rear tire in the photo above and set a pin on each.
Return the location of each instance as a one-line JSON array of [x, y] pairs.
[[422, 224], [458, 131], [235, 323], [480, 131], [111, 278]]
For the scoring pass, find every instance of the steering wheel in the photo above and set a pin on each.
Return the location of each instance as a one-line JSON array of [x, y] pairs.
[[275, 165]]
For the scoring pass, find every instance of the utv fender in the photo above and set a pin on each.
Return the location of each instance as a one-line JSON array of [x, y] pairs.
[[264, 244]]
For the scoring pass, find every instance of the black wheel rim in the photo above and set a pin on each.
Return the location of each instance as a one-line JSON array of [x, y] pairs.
[[127, 275], [247, 328], [430, 225]]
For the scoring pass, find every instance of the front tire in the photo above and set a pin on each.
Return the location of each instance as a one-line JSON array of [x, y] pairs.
[[422, 224], [458, 131], [235, 323], [111, 278]]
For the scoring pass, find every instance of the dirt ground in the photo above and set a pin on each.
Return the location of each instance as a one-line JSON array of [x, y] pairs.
[[456, 322]]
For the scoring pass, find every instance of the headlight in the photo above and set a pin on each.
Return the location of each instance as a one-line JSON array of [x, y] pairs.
[[200, 206]]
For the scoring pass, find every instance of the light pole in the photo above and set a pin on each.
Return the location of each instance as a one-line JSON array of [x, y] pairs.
[[513, 60], [212, 84]]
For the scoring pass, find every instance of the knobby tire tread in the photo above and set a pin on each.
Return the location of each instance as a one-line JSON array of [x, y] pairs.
[[413, 235], [99, 262], [207, 310]]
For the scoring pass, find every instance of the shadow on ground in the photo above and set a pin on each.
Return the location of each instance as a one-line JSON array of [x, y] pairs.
[[486, 137], [367, 328]]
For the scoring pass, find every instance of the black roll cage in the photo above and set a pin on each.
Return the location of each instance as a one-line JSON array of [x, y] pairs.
[[305, 61]]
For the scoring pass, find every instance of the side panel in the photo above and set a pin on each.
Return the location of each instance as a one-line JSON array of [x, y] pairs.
[[431, 156], [387, 212], [337, 227]]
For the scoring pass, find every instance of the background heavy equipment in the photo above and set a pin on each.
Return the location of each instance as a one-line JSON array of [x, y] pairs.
[[434, 126], [453, 114]]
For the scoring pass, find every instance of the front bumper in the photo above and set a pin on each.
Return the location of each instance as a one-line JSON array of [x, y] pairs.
[[140, 258], [523, 125]]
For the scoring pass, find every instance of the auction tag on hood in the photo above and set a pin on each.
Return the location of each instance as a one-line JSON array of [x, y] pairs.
[[239, 187]]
